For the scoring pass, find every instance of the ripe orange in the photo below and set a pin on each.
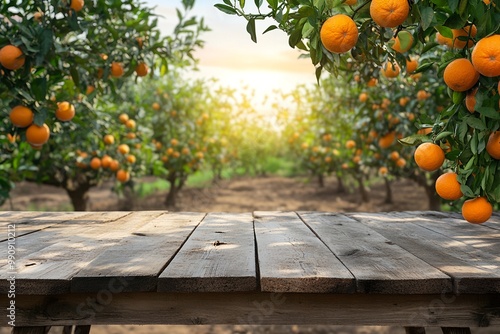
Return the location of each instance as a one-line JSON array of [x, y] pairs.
[[77, 5], [464, 32], [131, 158], [140, 42], [470, 100], [356, 159], [389, 13], [123, 149], [37, 16], [11, 57], [390, 70], [106, 161], [394, 156], [411, 65], [447, 186], [156, 106], [141, 69], [350, 144], [122, 175], [372, 82], [422, 95], [109, 139], [440, 39], [493, 145], [403, 101], [486, 56], [37, 135], [405, 36], [114, 165], [401, 162], [130, 124], [387, 140], [429, 157], [95, 163], [65, 111], [460, 75], [383, 170], [131, 135], [174, 142], [339, 33], [123, 118], [21, 116], [363, 97], [117, 69], [477, 210], [90, 89]]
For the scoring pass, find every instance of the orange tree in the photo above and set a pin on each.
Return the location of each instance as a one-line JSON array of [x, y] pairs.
[[92, 48], [468, 28]]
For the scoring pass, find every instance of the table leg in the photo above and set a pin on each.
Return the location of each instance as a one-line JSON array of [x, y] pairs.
[[82, 329], [456, 330], [30, 330], [415, 330], [67, 330]]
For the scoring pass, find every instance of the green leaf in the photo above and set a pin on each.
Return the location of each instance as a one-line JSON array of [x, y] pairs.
[[473, 144], [455, 21], [476, 123], [251, 29], [453, 5], [413, 140], [445, 31], [443, 135], [39, 88], [242, 3], [426, 17], [273, 4], [258, 3], [226, 9], [489, 112], [270, 28]]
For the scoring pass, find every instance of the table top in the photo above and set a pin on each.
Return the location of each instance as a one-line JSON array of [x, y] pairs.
[[296, 252]]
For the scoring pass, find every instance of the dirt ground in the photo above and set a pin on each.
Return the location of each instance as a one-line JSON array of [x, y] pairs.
[[238, 195]]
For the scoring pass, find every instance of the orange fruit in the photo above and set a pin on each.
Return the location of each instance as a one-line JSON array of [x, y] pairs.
[[401, 162], [131, 158], [156, 106], [363, 97], [440, 39], [123, 118], [37, 16], [77, 5], [422, 95], [109, 139], [140, 42], [131, 135], [464, 32], [356, 159], [350, 2], [37, 135], [390, 70], [114, 165], [460, 75], [130, 124], [447, 186], [123, 149], [407, 37], [106, 161], [339, 33], [11, 57], [424, 131], [389, 13], [90, 89], [394, 156], [411, 65], [477, 210], [372, 82], [65, 111], [383, 170], [470, 100], [350, 144], [122, 175], [141, 69], [174, 142], [117, 69], [387, 140], [95, 163], [403, 101], [21, 116], [486, 56], [493, 145], [429, 157]]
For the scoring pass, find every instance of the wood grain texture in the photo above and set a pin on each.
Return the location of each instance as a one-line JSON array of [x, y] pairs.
[[219, 256], [292, 259], [49, 270], [259, 308], [472, 270], [136, 261], [378, 265], [455, 330], [415, 330], [30, 330]]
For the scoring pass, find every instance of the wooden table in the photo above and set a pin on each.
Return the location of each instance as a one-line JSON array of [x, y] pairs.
[[413, 269]]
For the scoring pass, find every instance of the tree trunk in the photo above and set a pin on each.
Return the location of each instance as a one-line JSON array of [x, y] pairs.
[[321, 180], [170, 200], [340, 187], [365, 198], [79, 197], [388, 191], [432, 196]]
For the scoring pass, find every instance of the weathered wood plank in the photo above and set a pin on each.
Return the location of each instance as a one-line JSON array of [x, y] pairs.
[[482, 237], [49, 271], [219, 256], [378, 265], [292, 259], [139, 257], [415, 330], [455, 330], [472, 270], [259, 308], [31, 330], [29, 243]]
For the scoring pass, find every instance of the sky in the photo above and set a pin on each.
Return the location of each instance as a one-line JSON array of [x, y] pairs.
[[231, 56]]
